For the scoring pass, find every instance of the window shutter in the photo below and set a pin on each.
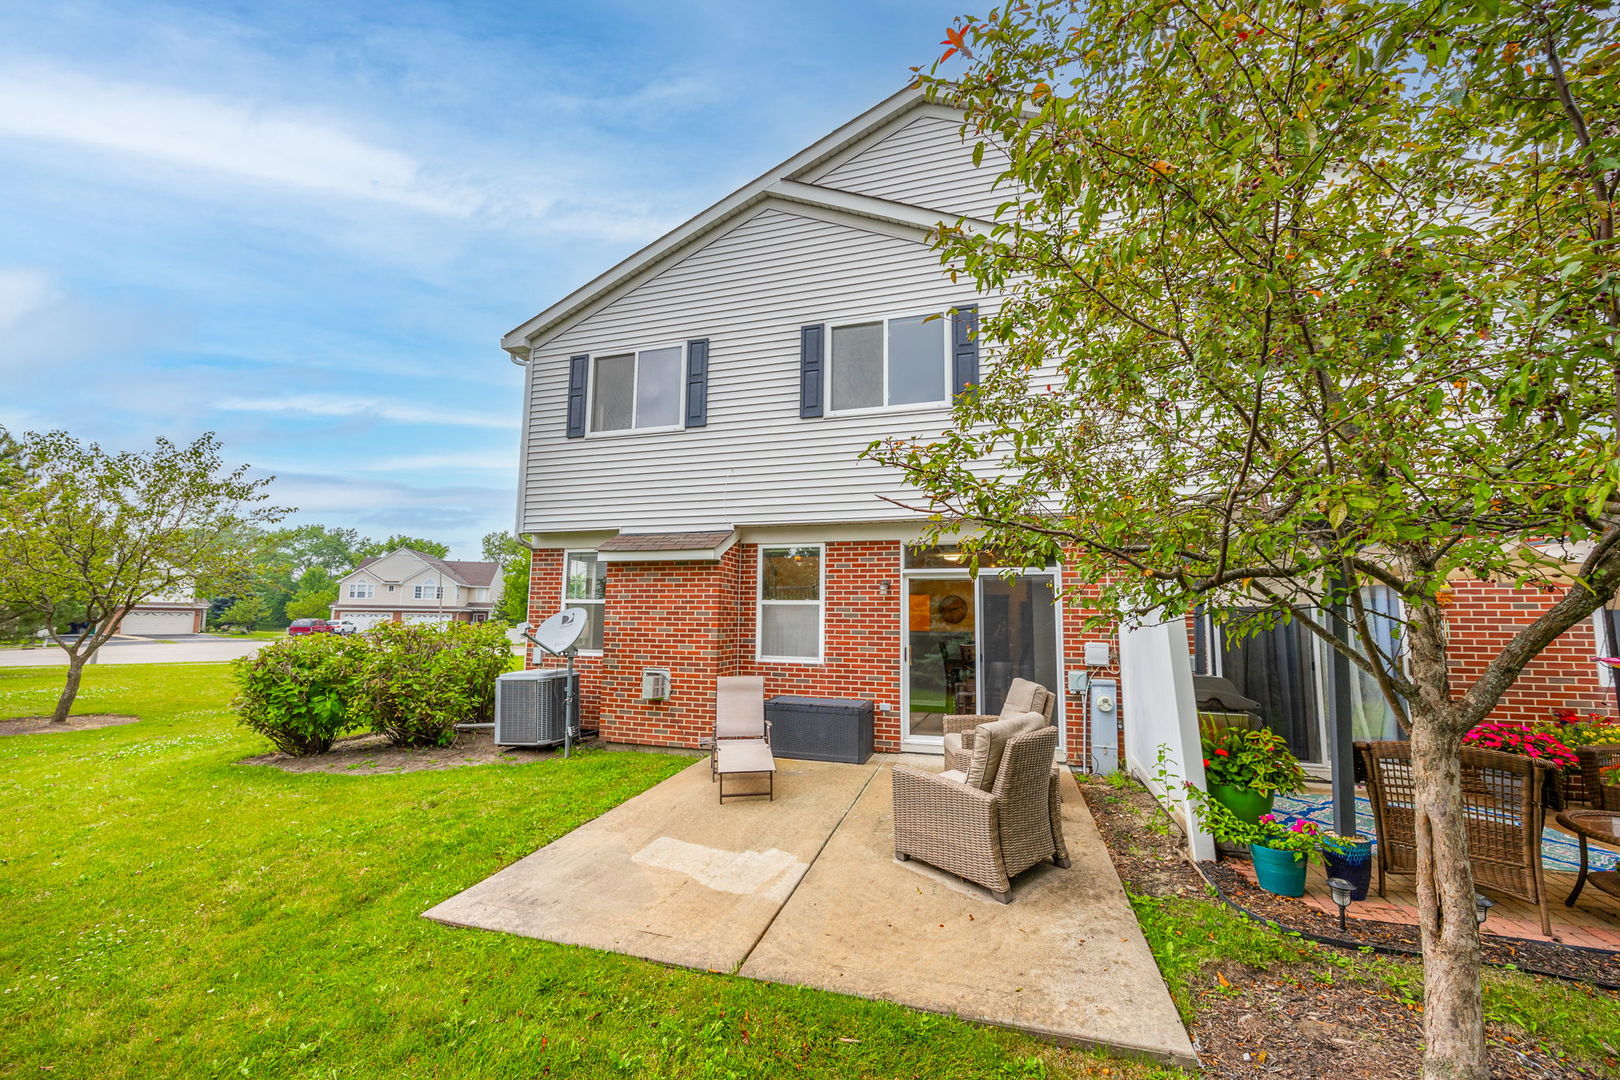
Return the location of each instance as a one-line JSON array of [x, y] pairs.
[[578, 369], [812, 364], [697, 383], [964, 348]]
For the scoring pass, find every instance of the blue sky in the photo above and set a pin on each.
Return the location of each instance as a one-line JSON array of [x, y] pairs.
[[306, 226]]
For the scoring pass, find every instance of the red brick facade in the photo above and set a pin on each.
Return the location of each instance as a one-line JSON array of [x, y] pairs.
[[699, 620]]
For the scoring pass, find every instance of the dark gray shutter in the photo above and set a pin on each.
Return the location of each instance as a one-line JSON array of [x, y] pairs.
[[812, 365], [697, 382], [578, 373], [964, 348]]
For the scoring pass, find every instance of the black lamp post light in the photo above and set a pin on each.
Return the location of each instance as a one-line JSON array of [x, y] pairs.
[[1482, 908], [1340, 890]]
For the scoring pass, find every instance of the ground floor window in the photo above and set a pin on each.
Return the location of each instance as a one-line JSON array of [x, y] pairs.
[[790, 596], [585, 586]]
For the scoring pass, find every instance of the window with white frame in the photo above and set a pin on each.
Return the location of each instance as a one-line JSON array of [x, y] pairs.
[[790, 601], [585, 586], [637, 390], [903, 361], [361, 590], [428, 590]]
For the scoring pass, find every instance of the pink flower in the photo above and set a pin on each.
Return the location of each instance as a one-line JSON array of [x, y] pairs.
[[1269, 819]]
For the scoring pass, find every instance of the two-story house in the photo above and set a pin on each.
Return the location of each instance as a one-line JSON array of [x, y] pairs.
[[407, 585], [691, 468]]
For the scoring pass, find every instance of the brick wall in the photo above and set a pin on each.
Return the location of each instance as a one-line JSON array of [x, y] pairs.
[[1484, 615]]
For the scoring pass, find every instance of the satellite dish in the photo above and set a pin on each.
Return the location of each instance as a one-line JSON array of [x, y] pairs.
[[558, 634]]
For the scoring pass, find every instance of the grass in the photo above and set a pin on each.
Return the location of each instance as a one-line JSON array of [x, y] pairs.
[[172, 914], [256, 635]]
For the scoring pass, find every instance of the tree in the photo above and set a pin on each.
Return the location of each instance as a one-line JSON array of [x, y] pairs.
[[1298, 299], [371, 549], [248, 612], [317, 592], [513, 555], [88, 530]]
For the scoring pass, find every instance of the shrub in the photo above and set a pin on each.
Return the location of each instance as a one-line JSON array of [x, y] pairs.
[[300, 693], [421, 680]]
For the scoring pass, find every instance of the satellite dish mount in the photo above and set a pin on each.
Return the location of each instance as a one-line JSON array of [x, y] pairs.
[[559, 636]]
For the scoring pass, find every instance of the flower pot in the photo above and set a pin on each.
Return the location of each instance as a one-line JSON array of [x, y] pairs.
[[1246, 804], [1280, 872], [1350, 859]]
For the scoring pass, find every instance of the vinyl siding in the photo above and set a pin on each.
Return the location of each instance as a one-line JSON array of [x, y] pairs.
[[749, 291], [924, 163]]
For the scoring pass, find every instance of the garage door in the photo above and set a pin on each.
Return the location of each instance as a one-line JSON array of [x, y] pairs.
[[158, 623], [365, 620], [427, 617]]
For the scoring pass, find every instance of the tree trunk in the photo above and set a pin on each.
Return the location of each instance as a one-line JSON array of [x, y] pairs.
[[70, 689], [1453, 1006]]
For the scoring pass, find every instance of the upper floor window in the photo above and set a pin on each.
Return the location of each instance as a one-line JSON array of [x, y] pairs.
[[585, 586], [428, 591], [361, 590], [637, 390], [903, 361]]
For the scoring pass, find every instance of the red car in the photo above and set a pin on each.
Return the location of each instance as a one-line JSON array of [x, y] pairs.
[[310, 626]]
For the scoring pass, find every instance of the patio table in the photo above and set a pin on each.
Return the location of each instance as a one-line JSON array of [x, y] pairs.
[[1600, 825]]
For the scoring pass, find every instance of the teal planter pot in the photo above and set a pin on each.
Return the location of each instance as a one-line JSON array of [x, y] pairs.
[[1280, 872], [1246, 804]]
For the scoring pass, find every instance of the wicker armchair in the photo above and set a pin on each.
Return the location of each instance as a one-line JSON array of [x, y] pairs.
[[1594, 759], [1503, 808], [987, 837], [1023, 696]]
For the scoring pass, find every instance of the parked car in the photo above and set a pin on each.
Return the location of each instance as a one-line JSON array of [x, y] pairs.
[[309, 626], [343, 626]]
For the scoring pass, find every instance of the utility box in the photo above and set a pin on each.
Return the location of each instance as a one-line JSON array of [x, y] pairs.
[[1103, 704], [655, 682], [820, 729]]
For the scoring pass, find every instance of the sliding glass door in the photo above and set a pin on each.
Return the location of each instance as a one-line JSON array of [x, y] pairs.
[[967, 639]]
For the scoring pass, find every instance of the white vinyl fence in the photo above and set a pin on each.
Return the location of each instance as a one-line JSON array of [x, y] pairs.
[[1155, 671]]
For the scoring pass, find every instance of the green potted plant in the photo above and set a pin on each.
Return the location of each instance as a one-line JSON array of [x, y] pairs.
[[1246, 770], [1280, 850]]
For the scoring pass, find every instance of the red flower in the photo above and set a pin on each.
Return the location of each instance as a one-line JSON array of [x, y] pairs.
[[1224, 753], [1206, 763]]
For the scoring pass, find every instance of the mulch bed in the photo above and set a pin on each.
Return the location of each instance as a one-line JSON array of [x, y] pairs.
[[1281, 1022], [371, 755], [1538, 957], [41, 725]]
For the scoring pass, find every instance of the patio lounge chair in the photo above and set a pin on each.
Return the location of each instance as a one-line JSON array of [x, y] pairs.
[[1503, 808], [742, 735], [1594, 759], [990, 824], [1023, 696]]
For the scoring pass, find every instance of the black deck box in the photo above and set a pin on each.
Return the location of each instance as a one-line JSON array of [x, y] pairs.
[[820, 729]]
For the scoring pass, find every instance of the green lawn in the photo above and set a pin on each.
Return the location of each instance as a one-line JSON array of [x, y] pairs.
[[171, 914]]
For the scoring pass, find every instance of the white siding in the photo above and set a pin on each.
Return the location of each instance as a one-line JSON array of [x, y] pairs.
[[749, 291], [924, 163]]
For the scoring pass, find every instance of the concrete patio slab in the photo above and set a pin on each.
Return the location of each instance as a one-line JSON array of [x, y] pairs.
[[805, 890], [670, 875], [1064, 961]]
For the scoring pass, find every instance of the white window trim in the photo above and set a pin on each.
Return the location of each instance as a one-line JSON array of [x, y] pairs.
[[884, 320], [361, 590], [1607, 676], [592, 382], [821, 605], [600, 606]]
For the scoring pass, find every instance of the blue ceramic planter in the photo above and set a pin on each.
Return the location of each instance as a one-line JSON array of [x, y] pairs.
[[1352, 861], [1280, 872]]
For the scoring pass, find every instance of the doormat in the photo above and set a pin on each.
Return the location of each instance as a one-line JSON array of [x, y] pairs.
[[1560, 852]]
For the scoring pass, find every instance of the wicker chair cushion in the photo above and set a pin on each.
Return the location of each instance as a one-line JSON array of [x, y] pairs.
[[990, 740], [1024, 696], [953, 743]]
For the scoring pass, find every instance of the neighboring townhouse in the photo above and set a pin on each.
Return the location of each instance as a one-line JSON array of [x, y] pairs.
[[691, 472], [178, 612], [407, 585]]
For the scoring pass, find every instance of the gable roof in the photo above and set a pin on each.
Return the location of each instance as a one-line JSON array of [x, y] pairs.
[[476, 574], [776, 184]]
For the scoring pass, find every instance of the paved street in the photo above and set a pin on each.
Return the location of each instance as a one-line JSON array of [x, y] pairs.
[[186, 649]]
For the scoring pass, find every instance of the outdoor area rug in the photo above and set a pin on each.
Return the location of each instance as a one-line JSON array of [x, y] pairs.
[[1559, 851]]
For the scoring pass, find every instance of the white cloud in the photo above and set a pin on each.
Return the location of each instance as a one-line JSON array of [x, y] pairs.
[[23, 291], [262, 143], [400, 412], [493, 460]]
